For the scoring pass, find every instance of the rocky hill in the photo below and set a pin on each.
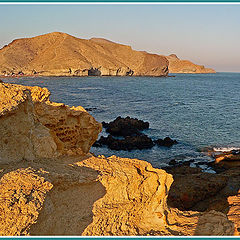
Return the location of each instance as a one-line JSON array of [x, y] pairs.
[[60, 54], [177, 65], [51, 185]]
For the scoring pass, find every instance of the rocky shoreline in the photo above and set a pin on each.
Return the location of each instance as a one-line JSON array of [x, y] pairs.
[[51, 185]]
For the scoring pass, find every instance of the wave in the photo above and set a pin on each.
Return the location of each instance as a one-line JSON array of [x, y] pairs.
[[225, 149]]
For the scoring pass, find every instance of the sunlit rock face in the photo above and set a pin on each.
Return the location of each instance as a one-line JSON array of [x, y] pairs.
[[60, 54], [33, 127]]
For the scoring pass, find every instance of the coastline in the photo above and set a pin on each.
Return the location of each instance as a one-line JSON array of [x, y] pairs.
[[124, 196]]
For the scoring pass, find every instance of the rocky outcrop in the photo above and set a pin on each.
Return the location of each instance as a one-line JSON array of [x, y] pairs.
[[166, 142], [59, 54], [73, 194], [127, 144], [33, 127], [177, 65], [125, 126], [129, 129]]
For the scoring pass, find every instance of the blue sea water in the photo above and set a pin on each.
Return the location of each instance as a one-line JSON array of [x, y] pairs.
[[198, 110]]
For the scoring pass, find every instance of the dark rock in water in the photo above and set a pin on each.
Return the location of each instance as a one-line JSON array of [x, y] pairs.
[[125, 126], [173, 162], [128, 143], [235, 152], [90, 109], [166, 142], [130, 129]]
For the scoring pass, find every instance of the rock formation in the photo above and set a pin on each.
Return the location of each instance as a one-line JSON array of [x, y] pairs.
[[177, 65], [50, 185], [130, 131], [32, 126], [60, 54]]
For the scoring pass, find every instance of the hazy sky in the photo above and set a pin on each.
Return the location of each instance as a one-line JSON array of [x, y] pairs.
[[204, 34]]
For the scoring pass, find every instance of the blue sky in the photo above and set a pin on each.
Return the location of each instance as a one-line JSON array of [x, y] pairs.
[[205, 34]]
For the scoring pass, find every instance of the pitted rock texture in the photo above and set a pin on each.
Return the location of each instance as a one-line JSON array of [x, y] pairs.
[[60, 54], [33, 127], [177, 65], [22, 194], [74, 129]]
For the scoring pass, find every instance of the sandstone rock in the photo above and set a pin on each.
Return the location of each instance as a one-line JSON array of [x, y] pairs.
[[134, 207], [41, 128], [96, 196], [228, 159], [72, 128], [22, 194], [19, 126]]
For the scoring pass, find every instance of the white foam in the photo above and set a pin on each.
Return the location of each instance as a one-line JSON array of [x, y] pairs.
[[225, 149]]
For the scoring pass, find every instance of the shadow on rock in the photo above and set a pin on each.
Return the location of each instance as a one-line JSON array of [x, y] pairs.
[[58, 198], [195, 190]]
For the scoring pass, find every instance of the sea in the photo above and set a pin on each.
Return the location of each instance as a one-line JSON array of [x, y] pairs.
[[200, 111]]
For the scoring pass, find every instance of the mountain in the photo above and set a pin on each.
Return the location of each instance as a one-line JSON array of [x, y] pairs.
[[60, 54], [177, 65]]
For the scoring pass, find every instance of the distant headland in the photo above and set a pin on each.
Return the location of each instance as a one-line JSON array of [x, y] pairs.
[[60, 54]]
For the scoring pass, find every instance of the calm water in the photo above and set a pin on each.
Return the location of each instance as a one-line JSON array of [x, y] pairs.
[[197, 110]]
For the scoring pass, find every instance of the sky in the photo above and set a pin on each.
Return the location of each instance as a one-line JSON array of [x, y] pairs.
[[204, 34]]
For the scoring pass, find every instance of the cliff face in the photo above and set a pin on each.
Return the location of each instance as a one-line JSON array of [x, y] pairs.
[[60, 54], [50, 185], [177, 65]]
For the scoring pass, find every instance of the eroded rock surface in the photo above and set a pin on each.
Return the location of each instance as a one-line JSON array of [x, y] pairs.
[[32, 126], [80, 194], [22, 193]]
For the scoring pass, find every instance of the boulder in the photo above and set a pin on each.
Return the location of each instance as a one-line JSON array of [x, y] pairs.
[[166, 142], [125, 126], [128, 143]]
